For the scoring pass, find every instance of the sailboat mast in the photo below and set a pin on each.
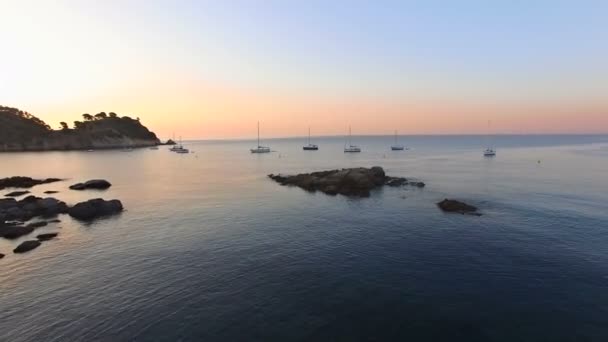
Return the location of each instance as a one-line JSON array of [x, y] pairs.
[[258, 134], [349, 136], [395, 138], [309, 135]]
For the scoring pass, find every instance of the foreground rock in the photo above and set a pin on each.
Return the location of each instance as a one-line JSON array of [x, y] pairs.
[[17, 193], [453, 206], [29, 207], [355, 182], [49, 192], [14, 232], [95, 208], [97, 184], [47, 236], [24, 182], [1, 255], [27, 246]]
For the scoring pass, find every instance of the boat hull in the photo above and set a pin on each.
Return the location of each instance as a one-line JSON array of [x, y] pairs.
[[397, 148], [310, 148]]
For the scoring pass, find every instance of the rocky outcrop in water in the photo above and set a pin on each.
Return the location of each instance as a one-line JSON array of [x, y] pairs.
[[1, 255], [95, 208], [27, 246], [97, 184], [24, 182], [14, 232], [354, 182], [29, 207], [47, 236], [17, 193], [454, 206]]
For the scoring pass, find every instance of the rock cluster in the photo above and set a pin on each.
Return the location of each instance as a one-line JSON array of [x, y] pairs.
[[27, 246], [354, 182], [29, 207]]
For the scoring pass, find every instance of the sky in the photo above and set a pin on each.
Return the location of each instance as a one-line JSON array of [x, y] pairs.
[[213, 69]]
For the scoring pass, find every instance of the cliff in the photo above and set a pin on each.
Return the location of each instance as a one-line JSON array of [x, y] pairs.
[[21, 131]]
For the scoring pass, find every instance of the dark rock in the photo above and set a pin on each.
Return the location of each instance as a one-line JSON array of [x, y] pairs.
[[6, 203], [357, 182], [396, 181], [454, 206], [77, 186], [418, 184], [14, 232], [46, 237], [51, 192], [37, 224], [98, 184], [24, 182], [29, 207], [1, 255], [54, 221], [27, 246], [94, 208], [17, 193]]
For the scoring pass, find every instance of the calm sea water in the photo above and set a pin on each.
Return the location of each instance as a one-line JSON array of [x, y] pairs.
[[210, 250]]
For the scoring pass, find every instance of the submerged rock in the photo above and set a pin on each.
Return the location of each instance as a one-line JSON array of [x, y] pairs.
[[355, 182], [98, 184], [17, 193], [48, 192], [27, 246], [94, 208], [1, 255], [24, 182], [454, 206], [46, 237]]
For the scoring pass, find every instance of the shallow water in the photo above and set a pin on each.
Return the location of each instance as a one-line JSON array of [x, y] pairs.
[[210, 249]]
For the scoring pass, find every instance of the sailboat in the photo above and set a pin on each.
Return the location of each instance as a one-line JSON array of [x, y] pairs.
[[489, 152], [351, 148], [179, 148], [310, 147], [260, 148], [396, 146]]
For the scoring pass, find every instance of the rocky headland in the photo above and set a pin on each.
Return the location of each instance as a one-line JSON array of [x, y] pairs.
[[22, 131]]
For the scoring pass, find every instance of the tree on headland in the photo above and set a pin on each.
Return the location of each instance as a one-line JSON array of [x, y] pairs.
[[87, 117], [113, 115], [101, 116], [64, 126], [78, 124]]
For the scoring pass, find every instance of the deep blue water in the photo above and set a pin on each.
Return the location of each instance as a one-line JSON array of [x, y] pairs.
[[209, 249]]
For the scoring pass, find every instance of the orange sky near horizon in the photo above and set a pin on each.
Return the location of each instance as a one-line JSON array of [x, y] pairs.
[[212, 70]]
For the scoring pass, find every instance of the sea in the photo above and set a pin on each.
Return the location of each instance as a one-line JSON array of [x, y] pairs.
[[210, 249]]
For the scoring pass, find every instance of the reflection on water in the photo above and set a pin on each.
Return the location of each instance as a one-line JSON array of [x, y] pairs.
[[210, 249]]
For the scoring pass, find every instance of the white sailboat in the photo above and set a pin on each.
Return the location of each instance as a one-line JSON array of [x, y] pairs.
[[179, 148], [350, 148], [489, 152], [396, 146], [260, 148], [310, 147]]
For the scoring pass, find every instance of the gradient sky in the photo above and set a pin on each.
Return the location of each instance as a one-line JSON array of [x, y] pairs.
[[211, 69]]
